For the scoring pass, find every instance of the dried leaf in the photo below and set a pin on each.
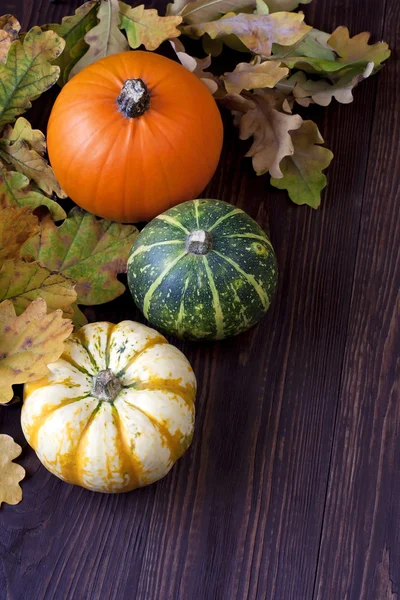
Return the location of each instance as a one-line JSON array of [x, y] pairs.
[[257, 33], [261, 8], [28, 72], [322, 91], [10, 473], [253, 75], [79, 318], [357, 48], [105, 38], [258, 117], [145, 26], [22, 281], [23, 148], [73, 30], [201, 11], [28, 343], [91, 251], [9, 30], [17, 225], [302, 172], [195, 65], [15, 191], [279, 5]]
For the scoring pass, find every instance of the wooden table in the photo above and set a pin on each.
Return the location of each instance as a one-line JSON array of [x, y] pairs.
[[291, 489]]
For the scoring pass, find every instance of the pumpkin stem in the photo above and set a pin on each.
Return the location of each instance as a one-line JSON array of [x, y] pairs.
[[134, 98], [199, 242], [106, 386]]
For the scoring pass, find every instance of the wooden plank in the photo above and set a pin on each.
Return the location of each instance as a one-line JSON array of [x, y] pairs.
[[240, 516], [360, 549]]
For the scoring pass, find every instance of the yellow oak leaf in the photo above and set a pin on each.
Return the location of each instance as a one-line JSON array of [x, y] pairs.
[[195, 65], [257, 116], [22, 130], [278, 5], [256, 32], [201, 11], [302, 171], [28, 343], [16, 227], [22, 281], [254, 75], [357, 48], [105, 38], [15, 191], [10, 473], [9, 29], [145, 26]]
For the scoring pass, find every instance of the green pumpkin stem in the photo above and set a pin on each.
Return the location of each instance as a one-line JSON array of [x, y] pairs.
[[199, 242], [134, 99], [106, 386]]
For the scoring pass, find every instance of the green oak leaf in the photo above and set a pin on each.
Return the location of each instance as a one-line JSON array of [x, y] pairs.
[[145, 26], [201, 11], [313, 45], [28, 72], [89, 250], [302, 171], [73, 30], [15, 191]]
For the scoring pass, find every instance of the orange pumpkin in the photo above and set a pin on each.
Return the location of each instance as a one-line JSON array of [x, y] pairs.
[[132, 135]]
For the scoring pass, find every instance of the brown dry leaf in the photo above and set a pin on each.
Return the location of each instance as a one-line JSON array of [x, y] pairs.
[[201, 11], [9, 30], [196, 65], [15, 191], [28, 343], [254, 75], [357, 48], [257, 116], [23, 148], [105, 38], [10, 473], [302, 171], [16, 227], [145, 26], [256, 32], [22, 281]]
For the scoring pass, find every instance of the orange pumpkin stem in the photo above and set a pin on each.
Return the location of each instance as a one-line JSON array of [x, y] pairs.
[[199, 242], [134, 98], [106, 386]]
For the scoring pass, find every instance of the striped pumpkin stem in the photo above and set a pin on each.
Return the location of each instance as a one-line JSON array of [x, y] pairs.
[[106, 386], [199, 242]]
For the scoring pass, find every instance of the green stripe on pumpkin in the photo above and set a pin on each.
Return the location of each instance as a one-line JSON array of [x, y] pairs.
[[156, 283], [235, 211], [142, 249], [250, 236], [219, 317], [172, 221]]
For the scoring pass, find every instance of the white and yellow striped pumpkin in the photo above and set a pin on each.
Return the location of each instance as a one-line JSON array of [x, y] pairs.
[[115, 411]]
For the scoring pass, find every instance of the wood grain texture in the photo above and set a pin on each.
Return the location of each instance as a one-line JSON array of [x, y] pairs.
[[290, 489]]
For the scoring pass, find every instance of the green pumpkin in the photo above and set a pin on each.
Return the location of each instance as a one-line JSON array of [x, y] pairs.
[[202, 270]]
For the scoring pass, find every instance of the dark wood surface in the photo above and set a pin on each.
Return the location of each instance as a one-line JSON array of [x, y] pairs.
[[291, 489]]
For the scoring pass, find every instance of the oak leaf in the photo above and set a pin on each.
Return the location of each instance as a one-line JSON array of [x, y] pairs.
[[28, 72], [10, 473], [91, 251], [145, 26], [201, 11], [73, 30], [22, 281], [15, 191], [302, 171], [28, 343], [313, 45], [9, 30], [357, 48], [256, 32], [16, 227], [279, 5], [105, 38], [254, 75], [257, 116], [195, 65], [23, 148]]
